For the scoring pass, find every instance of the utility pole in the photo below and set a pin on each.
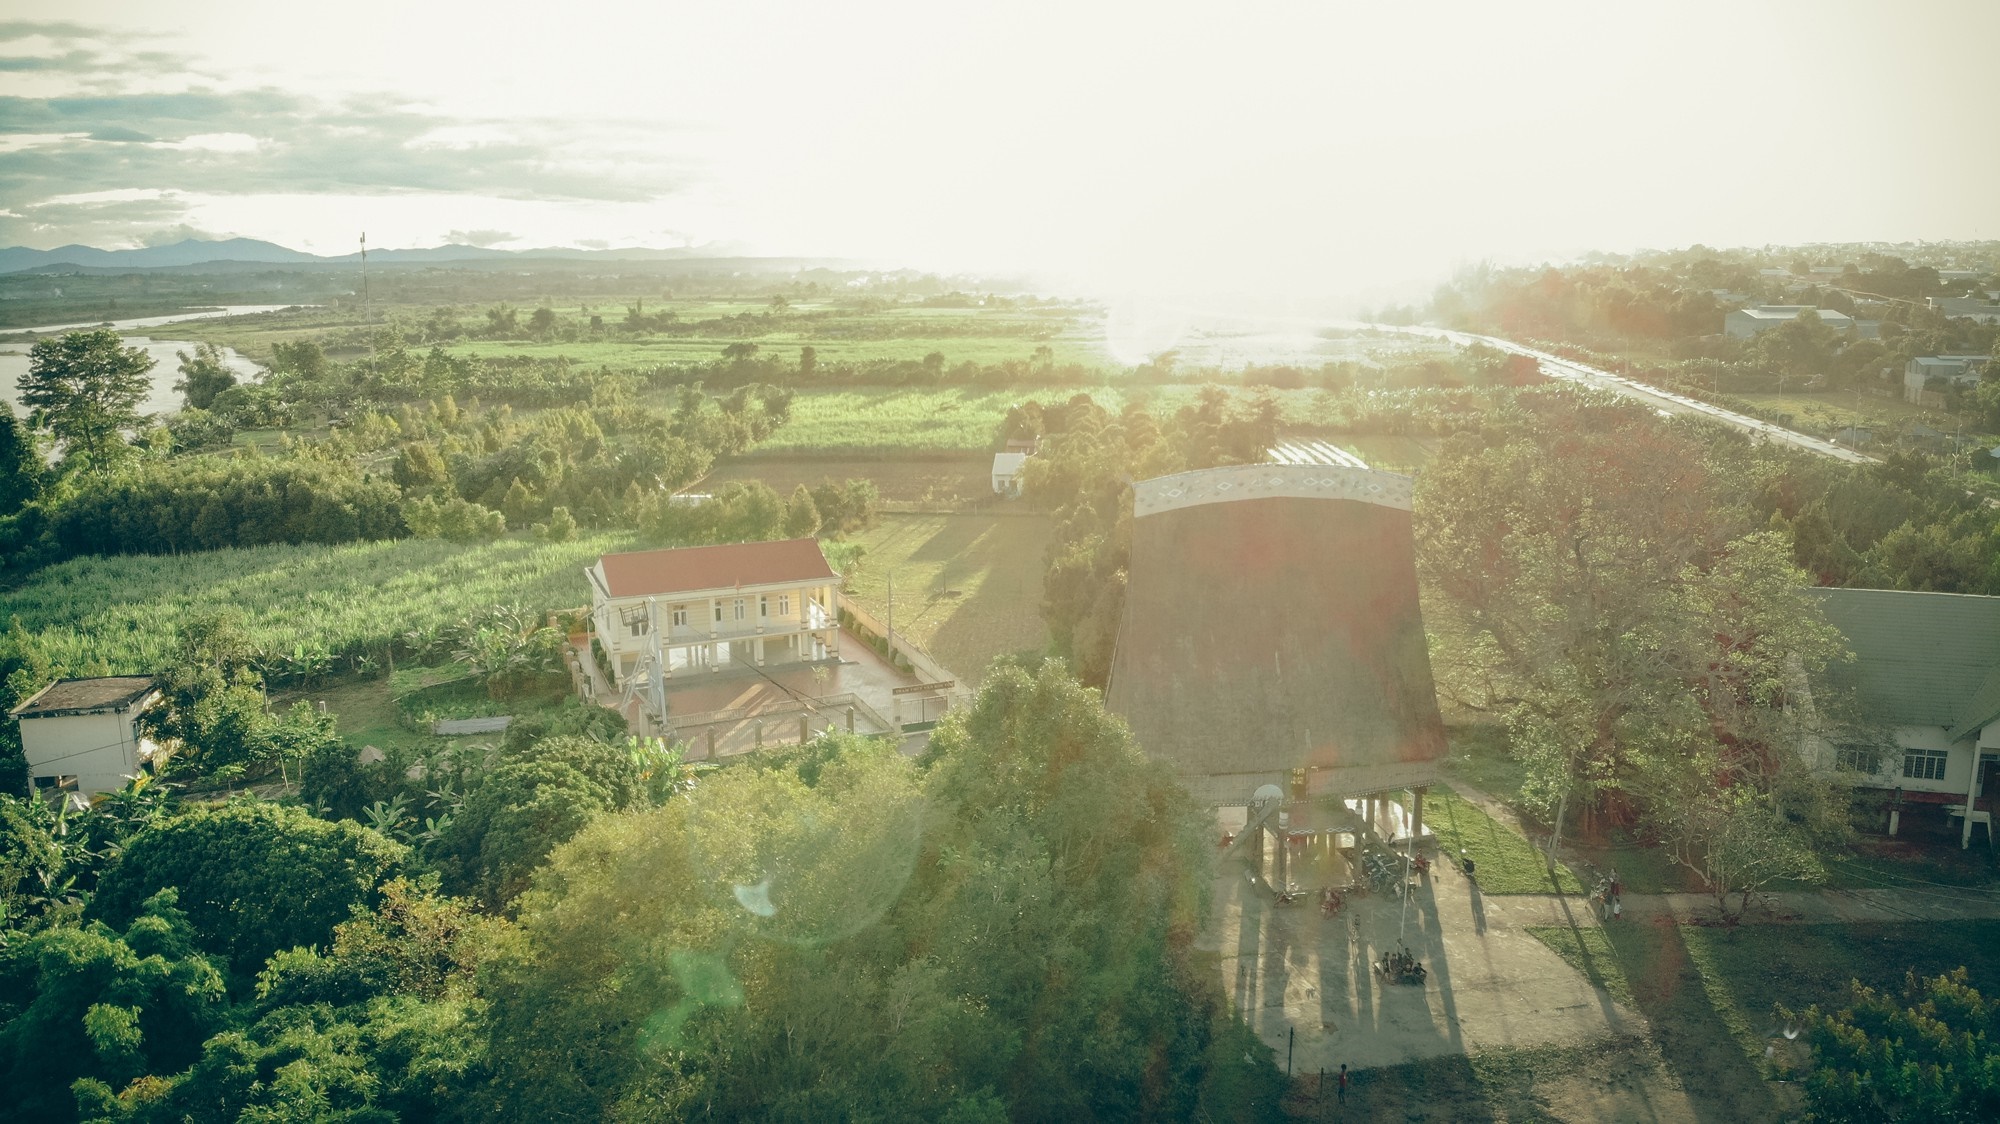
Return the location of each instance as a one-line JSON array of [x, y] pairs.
[[364, 273]]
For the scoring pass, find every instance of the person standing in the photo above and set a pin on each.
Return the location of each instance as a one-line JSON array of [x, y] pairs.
[[1341, 1093]]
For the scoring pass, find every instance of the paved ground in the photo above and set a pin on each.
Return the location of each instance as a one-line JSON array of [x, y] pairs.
[[745, 698], [1304, 981]]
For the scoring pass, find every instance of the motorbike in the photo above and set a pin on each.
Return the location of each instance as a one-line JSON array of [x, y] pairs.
[[1290, 895], [1330, 901]]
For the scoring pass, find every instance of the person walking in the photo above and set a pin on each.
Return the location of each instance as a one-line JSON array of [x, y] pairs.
[[1341, 1093]]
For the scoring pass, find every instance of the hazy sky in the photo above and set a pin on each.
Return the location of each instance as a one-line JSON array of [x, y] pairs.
[[1251, 146]]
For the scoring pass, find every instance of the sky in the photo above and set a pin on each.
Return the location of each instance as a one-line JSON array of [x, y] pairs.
[[1256, 147]]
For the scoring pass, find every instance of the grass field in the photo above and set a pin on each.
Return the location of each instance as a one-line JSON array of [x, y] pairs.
[[1827, 411], [968, 587], [1506, 862], [945, 480], [119, 614], [904, 420], [682, 350]]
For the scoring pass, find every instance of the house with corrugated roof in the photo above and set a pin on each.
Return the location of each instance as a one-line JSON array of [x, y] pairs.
[[705, 608], [82, 736], [1746, 322], [1926, 674]]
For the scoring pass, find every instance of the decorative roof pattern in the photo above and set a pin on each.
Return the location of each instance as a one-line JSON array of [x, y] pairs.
[[1270, 481]]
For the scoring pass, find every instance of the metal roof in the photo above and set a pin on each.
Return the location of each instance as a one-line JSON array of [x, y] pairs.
[[1921, 659], [1276, 629], [85, 696]]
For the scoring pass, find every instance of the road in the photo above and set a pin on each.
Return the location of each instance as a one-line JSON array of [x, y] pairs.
[[1665, 401]]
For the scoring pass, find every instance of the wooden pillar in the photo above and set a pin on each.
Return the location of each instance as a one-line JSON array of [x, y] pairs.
[[850, 719], [1417, 811]]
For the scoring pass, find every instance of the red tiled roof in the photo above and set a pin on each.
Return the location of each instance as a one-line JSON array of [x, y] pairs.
[[644, 573]]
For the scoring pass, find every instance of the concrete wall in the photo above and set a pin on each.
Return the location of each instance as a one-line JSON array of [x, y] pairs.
[[1957, 768], [618, 640], [99, 750]]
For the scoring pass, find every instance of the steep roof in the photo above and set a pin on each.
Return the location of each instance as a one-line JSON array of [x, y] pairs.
[[84, 696], [1921, 659], [693, 569], [1271, 623]]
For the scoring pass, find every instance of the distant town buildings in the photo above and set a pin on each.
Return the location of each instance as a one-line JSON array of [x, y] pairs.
[[1969, 308], [1747, 322]]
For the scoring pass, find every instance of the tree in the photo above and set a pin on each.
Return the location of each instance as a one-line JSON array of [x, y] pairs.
[[1932, 1055], [23, 472], [254, 878], [86, 387], [808, 361], [102, 1004], [1003, 931], [509, 824], [1595, 592], [203, 376], [801, 517]]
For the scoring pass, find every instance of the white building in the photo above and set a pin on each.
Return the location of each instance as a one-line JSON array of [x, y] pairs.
[[1968, 308], [711, 607], [82, 736], [1957, 370], [1746, 322], [1926, 672], [1007, 473]]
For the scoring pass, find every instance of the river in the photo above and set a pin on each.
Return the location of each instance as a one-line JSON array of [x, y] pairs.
[[160, 398]]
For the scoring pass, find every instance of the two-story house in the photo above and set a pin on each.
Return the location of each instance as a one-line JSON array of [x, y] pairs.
[[82, 735], [1926, 675], [705, 608]]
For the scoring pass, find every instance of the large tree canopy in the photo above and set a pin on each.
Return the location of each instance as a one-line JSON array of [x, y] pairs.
[[1002, 931], [1640, 636], [254, 878], [86, 387]]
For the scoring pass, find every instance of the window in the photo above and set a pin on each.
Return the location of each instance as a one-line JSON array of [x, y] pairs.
[[763, 606], [718, 612], [680, 616], [640, 626], [1925, 764], [1858, 759], [784, 604], [742, 608]]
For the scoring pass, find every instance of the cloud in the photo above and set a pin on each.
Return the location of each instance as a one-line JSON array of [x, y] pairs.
[[121, 120], [93, 222], [481, 238]]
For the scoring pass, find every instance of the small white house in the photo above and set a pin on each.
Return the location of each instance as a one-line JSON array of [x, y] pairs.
[[82, 736], [1007, 473], [1926, 671]]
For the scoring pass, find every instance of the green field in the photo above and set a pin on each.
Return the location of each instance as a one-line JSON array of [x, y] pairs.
[[941, 481], [1821, 412], [119, 614], [968, 587], [890, 421], [784, 347]]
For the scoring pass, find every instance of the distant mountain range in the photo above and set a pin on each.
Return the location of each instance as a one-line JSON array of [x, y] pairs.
[[195, 251]]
